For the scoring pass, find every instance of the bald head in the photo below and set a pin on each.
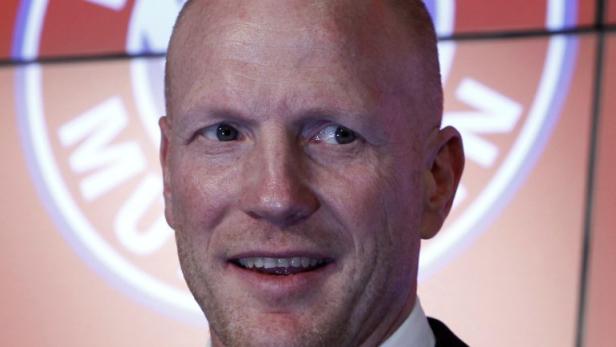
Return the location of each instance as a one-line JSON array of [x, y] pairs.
[[393, 42], [305, 135]]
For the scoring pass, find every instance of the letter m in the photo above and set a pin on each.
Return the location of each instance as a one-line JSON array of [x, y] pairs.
[[108, 164]]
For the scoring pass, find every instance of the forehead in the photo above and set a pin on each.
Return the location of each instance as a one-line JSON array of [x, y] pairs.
[[283, 50]]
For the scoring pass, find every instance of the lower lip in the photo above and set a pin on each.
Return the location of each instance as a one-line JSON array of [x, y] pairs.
[[279, 287]]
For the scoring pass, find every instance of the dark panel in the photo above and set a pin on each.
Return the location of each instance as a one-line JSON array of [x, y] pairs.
[[611, 11], [502, 15], [8, 18], [84, 28], [602, 277]]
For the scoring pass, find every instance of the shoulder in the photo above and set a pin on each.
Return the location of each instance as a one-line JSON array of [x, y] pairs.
[[444, 337]]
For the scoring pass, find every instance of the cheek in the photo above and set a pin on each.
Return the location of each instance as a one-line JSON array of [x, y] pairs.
[[378, 204], [200, 194], [387, 186]]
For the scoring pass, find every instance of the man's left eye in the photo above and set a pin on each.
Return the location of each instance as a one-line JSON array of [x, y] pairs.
[[221, 132], [335, 134]]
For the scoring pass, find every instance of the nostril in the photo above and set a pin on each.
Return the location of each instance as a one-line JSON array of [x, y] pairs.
[[253, 214], [283, 210], [284, 216], [296, 217]]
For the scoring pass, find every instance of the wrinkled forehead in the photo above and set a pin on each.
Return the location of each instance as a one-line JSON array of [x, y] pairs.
[[287, 34], [258, 35], [349, 25], [361, 54]]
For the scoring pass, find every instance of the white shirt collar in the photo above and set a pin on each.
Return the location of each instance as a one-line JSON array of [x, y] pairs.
[[415, 331]]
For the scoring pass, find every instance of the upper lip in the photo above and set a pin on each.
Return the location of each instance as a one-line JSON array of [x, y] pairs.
[[280, 254]]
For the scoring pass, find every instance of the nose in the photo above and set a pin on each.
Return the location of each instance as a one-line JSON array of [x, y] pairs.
[[276, 186]]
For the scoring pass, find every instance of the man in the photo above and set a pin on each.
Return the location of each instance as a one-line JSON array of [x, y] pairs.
[[303, 162]]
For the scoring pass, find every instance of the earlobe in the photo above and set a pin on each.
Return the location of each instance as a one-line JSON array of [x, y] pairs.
[[442, 179], [165, 130]]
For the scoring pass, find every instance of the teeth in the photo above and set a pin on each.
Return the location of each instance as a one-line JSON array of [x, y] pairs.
[[296, 262], [305, 262], [249, 263], [270, 263], [258, 262]]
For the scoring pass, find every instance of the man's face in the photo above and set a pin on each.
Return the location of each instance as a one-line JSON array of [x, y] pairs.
[[294, 176]]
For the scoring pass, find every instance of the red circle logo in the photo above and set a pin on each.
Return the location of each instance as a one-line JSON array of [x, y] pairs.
[[90, 130]]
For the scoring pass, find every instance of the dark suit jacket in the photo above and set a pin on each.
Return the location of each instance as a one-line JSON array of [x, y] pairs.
[[444, 337]]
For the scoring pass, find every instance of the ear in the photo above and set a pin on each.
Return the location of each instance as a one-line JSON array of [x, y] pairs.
[[441, 178], [165, 132]]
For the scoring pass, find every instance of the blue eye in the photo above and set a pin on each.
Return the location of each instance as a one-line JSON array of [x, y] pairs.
[[335, 134], [221, 132]]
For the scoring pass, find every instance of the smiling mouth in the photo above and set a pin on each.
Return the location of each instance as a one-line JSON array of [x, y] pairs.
[[280, 266]]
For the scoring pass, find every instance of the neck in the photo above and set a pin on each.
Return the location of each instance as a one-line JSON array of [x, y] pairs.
[[385, 328], [389, 327]]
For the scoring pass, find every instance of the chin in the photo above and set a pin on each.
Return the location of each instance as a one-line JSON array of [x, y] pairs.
[[276, 330]]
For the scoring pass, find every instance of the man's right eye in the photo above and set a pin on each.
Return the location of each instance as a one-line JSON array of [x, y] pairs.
[[221, 132]]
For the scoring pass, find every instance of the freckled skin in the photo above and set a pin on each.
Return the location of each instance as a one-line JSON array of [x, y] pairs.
[[280, 72]]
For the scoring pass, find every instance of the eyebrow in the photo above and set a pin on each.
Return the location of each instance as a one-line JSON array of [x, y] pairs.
[[332, 114], [204, 114], [313, 113]]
